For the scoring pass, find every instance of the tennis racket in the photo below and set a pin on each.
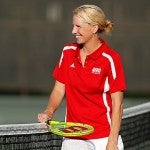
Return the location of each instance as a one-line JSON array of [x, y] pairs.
[[69, 129]]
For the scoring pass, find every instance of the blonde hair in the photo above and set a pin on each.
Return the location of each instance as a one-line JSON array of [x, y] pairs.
[[94, 15]]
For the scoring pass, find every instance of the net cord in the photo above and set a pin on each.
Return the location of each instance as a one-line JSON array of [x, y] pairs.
[[136, 110]]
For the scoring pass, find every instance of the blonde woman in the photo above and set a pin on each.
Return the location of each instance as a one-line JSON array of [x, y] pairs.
[[91, 75]]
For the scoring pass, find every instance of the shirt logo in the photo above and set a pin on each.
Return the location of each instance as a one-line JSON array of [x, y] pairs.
[[72, 65], [96, 70]]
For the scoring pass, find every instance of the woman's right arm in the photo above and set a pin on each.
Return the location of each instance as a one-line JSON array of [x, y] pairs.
[[55, 99]]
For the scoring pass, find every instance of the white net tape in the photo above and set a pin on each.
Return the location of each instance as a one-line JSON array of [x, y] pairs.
[[136, 110], [15, 129]]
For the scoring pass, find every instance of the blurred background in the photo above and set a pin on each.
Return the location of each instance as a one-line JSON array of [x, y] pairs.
[[32, 35]]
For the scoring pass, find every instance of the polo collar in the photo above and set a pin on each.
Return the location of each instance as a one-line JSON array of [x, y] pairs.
[[96, 53]]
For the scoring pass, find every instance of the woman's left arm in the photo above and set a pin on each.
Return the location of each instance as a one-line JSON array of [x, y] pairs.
[[117, 109]]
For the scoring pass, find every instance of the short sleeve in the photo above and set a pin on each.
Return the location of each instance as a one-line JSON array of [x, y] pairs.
[[58, 72], [116, 76]]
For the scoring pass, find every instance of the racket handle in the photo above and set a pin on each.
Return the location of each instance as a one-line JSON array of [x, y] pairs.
[[52, 122], [48, 121]]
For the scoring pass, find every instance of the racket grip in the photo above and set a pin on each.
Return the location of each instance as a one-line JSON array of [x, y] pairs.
[[52, 122], [48, 121]]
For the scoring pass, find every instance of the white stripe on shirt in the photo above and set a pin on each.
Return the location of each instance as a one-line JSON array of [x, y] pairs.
[[111, 63], [66, 48], [106, 88]]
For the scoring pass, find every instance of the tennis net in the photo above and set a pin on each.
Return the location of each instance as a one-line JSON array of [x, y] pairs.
[[135, 131], [135, 128], [28, 137]]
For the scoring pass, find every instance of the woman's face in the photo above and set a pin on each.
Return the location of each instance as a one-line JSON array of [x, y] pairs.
[[82, 31]]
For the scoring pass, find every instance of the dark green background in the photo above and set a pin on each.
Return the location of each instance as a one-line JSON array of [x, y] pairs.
[[33, 33]]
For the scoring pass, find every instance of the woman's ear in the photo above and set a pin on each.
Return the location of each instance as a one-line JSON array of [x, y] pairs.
[[95, 28]]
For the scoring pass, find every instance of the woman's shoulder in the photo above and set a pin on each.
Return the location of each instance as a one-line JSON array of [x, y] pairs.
[[70, 46], [110, 53], [107, 49]]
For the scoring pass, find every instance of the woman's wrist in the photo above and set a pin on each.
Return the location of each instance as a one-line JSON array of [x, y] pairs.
[[49, 110], [49, 113], [112, 144]]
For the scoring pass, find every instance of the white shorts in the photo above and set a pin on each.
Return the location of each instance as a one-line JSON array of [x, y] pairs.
[[94, 144]]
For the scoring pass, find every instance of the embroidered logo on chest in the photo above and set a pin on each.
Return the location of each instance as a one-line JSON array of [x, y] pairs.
[[72, 65], [96, 70]]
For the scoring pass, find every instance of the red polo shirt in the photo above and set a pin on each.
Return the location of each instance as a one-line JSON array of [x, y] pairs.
[[88, 87]]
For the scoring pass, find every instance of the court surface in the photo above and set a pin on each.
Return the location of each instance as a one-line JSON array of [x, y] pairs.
[[16, 109]]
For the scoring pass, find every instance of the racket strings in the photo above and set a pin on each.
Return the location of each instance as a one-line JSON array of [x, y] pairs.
[[73, 129], [69, 128]]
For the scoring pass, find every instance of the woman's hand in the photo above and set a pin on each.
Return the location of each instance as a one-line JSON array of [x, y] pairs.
[[42, 117], [111, 146]]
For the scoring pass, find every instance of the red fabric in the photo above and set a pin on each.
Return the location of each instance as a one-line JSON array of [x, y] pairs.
[[88, 87]]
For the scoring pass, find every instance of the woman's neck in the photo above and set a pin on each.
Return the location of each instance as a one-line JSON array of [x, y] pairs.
[[89, 48]]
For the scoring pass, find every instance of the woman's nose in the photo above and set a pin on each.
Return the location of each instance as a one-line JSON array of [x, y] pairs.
[[74, 30]]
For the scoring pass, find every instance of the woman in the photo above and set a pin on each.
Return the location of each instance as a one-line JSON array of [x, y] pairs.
[[91, 75]]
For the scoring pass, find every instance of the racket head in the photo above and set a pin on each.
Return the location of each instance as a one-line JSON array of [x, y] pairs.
[[69, 129]]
